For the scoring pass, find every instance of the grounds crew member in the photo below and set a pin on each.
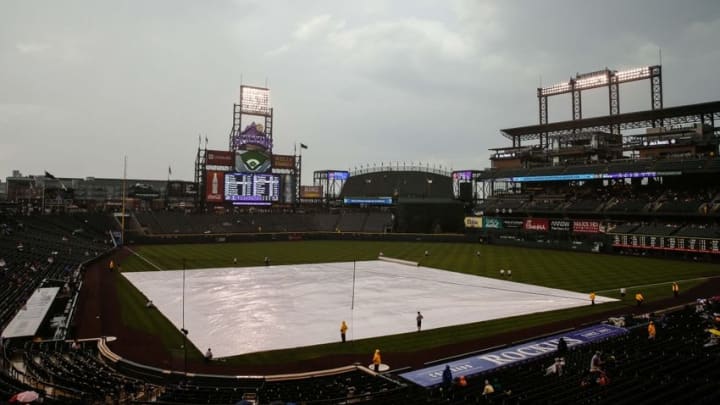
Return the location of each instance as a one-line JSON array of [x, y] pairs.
[[675, 289], [343, 329], [651, 331], [639, 299], [377, 360], [592, 298]]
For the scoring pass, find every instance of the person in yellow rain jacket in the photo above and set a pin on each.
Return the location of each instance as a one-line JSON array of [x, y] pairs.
[[592, 298], [343, 329], [639, 299], [675, 289], [651, 331], [377, 360]]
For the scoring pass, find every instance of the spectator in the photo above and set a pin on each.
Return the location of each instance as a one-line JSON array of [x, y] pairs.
[[419, 319], [596, 362], [462, 382], [488, 389], [208, 354], [562, 347], [447, 377]]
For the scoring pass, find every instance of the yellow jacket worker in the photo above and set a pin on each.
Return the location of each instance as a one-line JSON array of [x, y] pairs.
[[639, 299], [592, 298], [377, 360], [343, 329], [651, 330], [675, 289]]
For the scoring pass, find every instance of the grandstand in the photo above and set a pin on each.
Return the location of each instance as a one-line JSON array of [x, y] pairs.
[[626, 184]]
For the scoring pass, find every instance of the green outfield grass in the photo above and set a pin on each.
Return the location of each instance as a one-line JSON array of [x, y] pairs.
[[583, 272]]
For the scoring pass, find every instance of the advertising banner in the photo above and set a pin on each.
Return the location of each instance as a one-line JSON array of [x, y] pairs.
[[492, 223], [513, 223], [668, 243], [214, 186], [561, 225], [431, 376], [536, 224], [311, 191], [582, 226], [473, 222], [220, 158], [283, 161]]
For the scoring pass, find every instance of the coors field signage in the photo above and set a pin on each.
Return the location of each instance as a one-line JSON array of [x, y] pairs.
[[536, 224], [561, 225], [507, 356]]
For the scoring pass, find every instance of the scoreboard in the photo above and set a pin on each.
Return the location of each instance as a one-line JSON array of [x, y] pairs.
[[252, 189]]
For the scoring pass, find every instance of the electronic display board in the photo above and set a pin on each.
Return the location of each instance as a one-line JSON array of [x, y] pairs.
[[252, 189]]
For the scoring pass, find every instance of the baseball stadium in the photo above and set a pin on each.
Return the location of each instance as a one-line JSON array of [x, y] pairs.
[[579, 267]]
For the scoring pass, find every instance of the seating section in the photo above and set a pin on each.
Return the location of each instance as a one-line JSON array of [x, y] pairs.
[[165, 222]]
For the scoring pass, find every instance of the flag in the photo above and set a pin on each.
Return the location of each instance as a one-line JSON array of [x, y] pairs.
[[48, 175], [303, 146]]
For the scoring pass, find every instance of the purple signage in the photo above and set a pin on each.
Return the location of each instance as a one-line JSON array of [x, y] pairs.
[[431, 376]]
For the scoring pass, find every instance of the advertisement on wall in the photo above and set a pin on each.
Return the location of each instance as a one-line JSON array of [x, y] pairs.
[[215, 186], [582, 226], [492, 223], [283, 161], [220, 158], [311, 191], [536, 224], [560, 225], [513, 223], [473, 222]]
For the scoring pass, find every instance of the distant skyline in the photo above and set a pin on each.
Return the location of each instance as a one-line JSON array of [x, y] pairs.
[[85, 83]]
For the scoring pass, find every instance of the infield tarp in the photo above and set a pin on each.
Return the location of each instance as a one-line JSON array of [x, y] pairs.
[[431, 376]]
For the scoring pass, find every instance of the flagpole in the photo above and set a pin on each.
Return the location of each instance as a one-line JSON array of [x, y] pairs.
[[122, 218]]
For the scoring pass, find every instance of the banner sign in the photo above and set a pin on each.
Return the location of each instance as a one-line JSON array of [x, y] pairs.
[[432, 376], [668, 243], [586, 226], [492, 223], [283, 161], [367, 200], [513, 223], [215, 186], [473, 222], [220, 158], [311, 191], [536, 224], [562, 225]]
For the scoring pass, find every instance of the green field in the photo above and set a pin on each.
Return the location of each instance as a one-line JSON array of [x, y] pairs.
[[583, 272]]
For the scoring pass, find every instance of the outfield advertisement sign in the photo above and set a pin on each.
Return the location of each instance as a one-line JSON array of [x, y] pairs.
[[432, 376], [561, 225], [473, 222], [536, 224], [492, 223], [513, 223], [583, 226]]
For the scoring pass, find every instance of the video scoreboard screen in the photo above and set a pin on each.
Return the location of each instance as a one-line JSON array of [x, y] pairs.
[[252, 189]]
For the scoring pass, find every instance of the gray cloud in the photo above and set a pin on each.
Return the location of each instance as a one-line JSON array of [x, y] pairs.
[[87, 82]]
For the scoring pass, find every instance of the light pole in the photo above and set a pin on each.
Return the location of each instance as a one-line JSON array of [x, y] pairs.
[[183, 330]]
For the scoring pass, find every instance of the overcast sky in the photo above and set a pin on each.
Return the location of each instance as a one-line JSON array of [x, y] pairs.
[[84, 83]]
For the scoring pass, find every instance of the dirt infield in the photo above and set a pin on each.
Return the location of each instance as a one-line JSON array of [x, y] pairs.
[[98, 314]]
